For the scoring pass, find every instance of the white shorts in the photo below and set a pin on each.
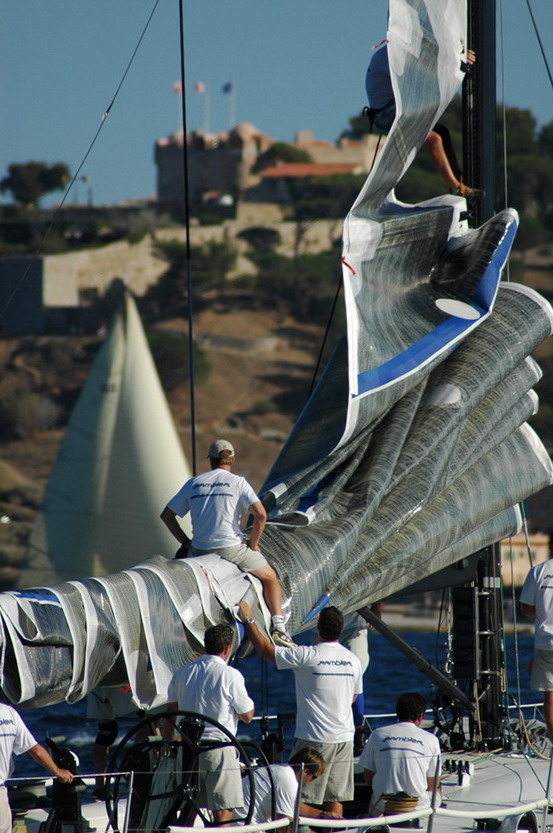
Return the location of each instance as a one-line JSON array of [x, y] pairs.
[[220, 779], [240, 554], [542, 671], [336, 784]]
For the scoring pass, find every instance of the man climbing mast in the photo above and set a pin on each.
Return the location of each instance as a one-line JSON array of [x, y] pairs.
[[216, 499]]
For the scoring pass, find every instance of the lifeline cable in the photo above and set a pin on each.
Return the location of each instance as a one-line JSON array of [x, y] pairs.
[[58, 208]]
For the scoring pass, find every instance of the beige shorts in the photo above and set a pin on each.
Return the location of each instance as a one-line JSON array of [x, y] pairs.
[[337, 782], [542, 671], [220, 779], [241, 555]]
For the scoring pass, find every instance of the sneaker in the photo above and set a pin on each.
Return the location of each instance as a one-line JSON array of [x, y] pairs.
[[282, 638], [470, 194]]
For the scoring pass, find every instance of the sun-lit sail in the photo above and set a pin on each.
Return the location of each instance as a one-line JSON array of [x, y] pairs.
[[412, 452], [119, 459]]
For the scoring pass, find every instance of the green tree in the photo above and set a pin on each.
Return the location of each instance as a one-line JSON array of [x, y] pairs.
[[29, 181], [545, 139], [210, 264], [260, 238], [280, 152]]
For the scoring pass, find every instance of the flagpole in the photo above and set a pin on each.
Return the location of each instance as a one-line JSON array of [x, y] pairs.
[[206, 108], [233, 106]]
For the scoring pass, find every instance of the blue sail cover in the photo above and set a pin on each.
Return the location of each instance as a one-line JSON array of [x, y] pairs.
[[412, 452]]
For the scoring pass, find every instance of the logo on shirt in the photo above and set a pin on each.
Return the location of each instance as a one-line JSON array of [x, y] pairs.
[[400, 739], [334, 662], [7, 721]]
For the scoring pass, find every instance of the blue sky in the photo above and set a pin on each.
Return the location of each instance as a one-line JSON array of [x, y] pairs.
[[294, 64]]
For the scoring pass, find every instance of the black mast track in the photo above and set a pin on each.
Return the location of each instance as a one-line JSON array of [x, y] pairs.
[[479, 166], [479, 107]]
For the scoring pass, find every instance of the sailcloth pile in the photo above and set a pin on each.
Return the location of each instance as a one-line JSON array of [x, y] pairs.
[[412, 452]]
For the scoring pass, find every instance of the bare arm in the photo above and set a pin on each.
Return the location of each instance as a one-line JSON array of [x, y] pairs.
[[169, 518], [316, 813], [259, 518], [247, 717], [39, 754], [260, 642], [430, 780], [528, 610]]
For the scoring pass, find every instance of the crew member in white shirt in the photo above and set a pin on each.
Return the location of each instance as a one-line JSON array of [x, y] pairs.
[[285, 778], [402, 758], [536, 600], [216, 500], [15, 739], [210, 687], [328, 679]]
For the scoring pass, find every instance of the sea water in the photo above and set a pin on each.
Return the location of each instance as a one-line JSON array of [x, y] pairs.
[[389, 674]]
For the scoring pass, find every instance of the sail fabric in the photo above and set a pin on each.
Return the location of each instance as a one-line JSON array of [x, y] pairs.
[[119, 462], [412, 452]]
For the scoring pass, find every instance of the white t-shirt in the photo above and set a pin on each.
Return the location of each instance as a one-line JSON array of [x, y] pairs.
[[15, 739], [215, 499], [402, 756], [286, 790], [209, 686], [538, 592], [328, 678]]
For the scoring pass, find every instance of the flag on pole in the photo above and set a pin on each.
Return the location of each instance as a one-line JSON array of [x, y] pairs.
[[227, 88], [177, 87], [199, 87]]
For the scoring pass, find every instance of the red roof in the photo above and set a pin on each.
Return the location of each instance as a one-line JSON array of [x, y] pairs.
[[303, 169]]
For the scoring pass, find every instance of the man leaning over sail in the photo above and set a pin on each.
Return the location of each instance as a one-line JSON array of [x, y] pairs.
[[216, 499], [382, 113], [328, 679]]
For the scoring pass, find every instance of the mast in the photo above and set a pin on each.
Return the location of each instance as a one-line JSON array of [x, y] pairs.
[[479, 107], [477, 607]]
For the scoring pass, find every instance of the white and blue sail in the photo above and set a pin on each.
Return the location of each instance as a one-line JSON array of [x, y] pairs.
[[412, 452]]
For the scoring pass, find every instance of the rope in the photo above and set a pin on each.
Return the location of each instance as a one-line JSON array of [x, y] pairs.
[[75, 176], [540, 42], [186, 200]]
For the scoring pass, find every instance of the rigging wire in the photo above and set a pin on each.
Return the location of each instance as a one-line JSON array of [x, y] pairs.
[[18, 284], [504, 121], [540, 42], [188, 263], [336, 296]]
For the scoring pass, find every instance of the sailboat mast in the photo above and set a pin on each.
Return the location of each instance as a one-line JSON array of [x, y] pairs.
[[479, 107], [479, 165]]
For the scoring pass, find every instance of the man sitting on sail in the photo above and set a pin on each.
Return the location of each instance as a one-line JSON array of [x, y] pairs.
[[216, 500]]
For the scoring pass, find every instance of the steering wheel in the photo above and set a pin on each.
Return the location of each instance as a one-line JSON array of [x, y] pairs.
[[165, 785]]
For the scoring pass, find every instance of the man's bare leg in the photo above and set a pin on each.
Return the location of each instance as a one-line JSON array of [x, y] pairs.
[[222, 816], [440, 161], [271, 589]]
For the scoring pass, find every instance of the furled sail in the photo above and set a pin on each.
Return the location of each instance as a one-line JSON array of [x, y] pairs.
[[412, 452], [119, 459]]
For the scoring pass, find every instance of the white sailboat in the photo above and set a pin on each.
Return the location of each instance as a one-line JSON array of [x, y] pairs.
[[119, 459]]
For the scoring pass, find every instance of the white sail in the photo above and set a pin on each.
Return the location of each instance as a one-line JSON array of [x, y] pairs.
[[120, 460]]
